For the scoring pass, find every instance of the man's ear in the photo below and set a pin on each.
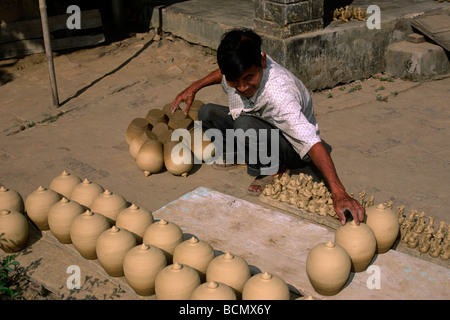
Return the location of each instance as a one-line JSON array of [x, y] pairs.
[[264, 60]]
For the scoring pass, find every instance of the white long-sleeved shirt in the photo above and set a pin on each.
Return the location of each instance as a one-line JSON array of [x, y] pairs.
[[283, 101]]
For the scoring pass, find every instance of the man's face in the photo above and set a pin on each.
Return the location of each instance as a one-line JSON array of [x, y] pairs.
[[248, 83]]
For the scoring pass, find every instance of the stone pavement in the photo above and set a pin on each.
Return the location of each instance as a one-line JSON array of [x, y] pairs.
[[389, 137]]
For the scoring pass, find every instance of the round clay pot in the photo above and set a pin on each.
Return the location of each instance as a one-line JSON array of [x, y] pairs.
[[61, 216], [165, 235], [265, 286], [165, 136], [85, 192], [194, 253], [37, 205], [193, 110], [179, 120], [384, 223], [141, 265], [150, 157], [155, 116], [181, 161], [112, 246], [231, 270], [359, 242], [11, 200], [167, 109], [160, 128], [213, 290], [176, 282], [136, 143], [135, 128], [14, 231], [64, 183], [136, 220], [84, 232], [109, 204], [204, 151], [328, 268]]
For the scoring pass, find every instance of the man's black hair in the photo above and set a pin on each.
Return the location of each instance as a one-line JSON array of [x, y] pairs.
[[239, 50]]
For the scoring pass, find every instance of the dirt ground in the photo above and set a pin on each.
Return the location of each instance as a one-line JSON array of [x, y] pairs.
[[389, 137]]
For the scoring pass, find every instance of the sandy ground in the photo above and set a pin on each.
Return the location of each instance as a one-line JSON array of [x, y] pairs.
[[389, 137]]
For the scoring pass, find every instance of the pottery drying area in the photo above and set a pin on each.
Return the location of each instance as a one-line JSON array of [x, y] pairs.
[[389, 139]]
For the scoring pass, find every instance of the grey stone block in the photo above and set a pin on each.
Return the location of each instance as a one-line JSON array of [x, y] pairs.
[[416, 61]]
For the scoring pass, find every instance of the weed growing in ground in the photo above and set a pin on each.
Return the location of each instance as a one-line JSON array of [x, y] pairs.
[[7, 265]]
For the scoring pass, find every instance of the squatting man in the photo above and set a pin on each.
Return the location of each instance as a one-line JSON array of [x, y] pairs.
[[269, 100]]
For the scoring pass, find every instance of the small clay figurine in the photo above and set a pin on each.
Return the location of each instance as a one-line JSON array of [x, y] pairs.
[[413, 240], [420, 224], [435, 249], [336, 14], [425, 242], [400, 211], [445, 253], [440, 233], [430, 227]]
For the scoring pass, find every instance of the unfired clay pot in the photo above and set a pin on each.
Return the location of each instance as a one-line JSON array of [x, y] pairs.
[[14, 230], [359, 242], [136, 220], [231, 270], [176, 282], [64, 183], [160, 128], [155, 116], [328, 268], [141, 265], [37, 205], [84, 232], [193, 110], [61, 216], [167, 109], [136, 143], [183, 161], [112, 246], [179, 121], [109, 204], [85, 192], [165, 235], [213, 290], [384, 223], [196, 254], [11, 200], [204, 151], [265, 286], [135, 128], [150, 157]]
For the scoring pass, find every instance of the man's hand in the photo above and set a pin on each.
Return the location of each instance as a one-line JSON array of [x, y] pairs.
[[187, 96], [342, 202]]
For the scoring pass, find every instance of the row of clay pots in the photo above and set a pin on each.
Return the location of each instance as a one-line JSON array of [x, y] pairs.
[[150, 144], [329, 265]]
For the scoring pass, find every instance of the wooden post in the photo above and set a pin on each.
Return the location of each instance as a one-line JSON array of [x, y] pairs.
[[48, 51]]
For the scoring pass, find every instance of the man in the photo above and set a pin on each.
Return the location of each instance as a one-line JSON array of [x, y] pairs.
[[265, 97]]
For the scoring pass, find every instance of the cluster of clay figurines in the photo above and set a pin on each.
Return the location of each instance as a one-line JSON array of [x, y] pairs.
[[154, 256], [349, 13], [150, 141]]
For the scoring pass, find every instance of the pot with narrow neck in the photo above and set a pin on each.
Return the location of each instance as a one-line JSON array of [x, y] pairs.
[[384, 223], [61, 216], [38, 204], [14, 231], [11, 200]]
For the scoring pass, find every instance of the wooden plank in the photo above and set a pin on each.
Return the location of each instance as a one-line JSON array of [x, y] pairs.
[[32, 29], [279, 243], [435, 27], [27, 47]]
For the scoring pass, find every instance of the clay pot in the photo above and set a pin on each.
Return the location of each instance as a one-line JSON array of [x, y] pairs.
[[136, 220], [204, 151], [155, 116], [61, 216], [150, 157], [14, 231], [136, 143], [176, 282], [165, 136], [37, 205], [11, 200], [136, 127], [359, 242], [328, 268], [109, 204], [231, 270], [265, 286], [160, 128], [167, 109], [194, 253], [64, 183], [384, 223], [84, 232], [85, 192], [181, 161], [141, 265], [180, 121], [213, 290], [112, 246], [165, 235], [193, 110]]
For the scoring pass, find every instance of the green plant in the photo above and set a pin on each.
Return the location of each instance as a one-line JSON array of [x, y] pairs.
[[358, 87], [7, 265], [380, 88], [330, 95]]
